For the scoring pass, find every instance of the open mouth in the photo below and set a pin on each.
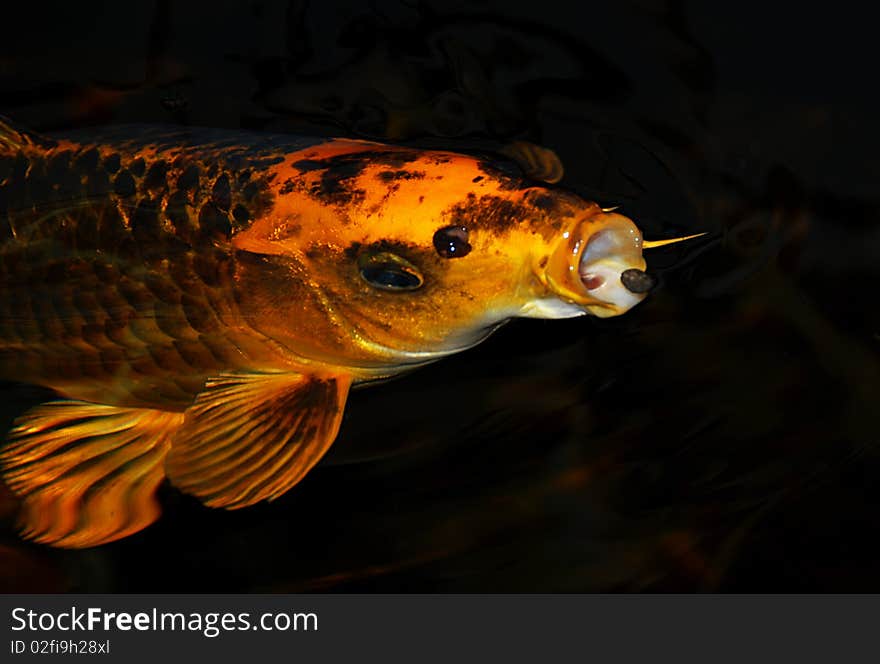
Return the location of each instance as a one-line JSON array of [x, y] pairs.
[[607, 263], [601, 267], [594, 267]]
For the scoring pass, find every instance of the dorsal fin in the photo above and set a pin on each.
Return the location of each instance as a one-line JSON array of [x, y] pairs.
[[14, 138], [537, 162], [86, 473], [252, 436]]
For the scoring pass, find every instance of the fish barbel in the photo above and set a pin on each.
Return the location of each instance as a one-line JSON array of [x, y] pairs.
[[202, 301]]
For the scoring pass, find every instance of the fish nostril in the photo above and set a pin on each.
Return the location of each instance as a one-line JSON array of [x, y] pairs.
[[637, 281]]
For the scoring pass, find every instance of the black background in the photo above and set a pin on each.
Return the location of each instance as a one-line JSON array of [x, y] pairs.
[[721, 436]]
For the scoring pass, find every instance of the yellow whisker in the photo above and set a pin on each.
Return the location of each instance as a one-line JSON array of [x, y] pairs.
[[653, 244]]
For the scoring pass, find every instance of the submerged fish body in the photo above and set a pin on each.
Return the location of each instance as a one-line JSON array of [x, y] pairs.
[[202, 301]]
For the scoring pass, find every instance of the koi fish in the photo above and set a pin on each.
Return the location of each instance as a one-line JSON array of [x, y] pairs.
[[202, 301]]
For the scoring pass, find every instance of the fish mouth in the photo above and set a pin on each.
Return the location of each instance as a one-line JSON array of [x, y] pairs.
[[598, 266]]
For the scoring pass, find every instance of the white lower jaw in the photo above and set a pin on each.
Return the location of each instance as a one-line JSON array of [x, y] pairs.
[[550, 307]]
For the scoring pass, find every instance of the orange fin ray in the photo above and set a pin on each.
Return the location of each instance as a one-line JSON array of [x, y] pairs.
[[87, 473], [250, 436]]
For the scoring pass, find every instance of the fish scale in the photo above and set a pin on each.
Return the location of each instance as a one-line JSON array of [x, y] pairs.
[[102, 277]]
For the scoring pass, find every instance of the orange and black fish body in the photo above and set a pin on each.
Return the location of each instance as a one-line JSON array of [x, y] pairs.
[[115, 266], [201, 301]]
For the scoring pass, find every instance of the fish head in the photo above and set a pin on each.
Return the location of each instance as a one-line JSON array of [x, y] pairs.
[[403, 256]]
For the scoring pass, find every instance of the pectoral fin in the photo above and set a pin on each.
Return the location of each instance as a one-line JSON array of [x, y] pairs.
[[251, 437], [87, 473]]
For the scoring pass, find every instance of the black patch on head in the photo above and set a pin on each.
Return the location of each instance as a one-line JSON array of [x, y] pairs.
[[394, 158], [308, 165], [556, 203], [544, 202], [491, 212], [221, 194], [335, 185], [344, 167], [506, 173], [391, 176], [477, 179], [112, 163], [124, 184]]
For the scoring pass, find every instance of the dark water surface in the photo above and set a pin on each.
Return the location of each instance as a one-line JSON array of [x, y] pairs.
[[721, 436]]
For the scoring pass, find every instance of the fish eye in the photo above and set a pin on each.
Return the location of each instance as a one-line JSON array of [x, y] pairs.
[[452, 242], [389, 271]]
